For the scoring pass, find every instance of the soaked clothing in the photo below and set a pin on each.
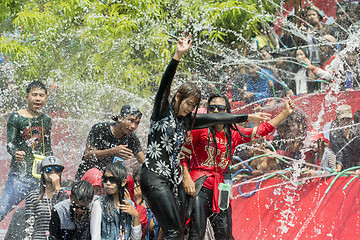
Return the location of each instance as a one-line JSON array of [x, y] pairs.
[[113, 226], [38, 213], [101, 138], [30, 138], [64, 226], [31, 135], [220, 222], [166, 136], [198, 154]]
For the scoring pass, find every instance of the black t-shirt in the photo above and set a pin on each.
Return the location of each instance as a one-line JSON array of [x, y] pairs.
[[101, 138]]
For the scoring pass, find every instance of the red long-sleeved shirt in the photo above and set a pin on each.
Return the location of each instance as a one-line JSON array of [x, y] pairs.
[[198, 154]]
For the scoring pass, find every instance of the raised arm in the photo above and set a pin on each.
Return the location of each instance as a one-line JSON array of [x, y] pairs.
[[288, 109], [162, 95]]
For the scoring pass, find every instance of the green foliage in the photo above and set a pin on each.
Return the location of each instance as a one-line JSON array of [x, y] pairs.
[[122, 45]]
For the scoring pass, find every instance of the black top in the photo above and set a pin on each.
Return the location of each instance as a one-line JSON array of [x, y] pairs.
[[64, 226], [22, 136], [101, 138], [168, 132]]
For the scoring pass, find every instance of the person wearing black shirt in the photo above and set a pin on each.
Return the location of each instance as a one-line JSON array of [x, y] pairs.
[[107, 140], [70, 219]]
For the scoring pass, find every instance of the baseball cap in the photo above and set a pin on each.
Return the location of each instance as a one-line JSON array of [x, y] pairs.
[[51, 161], [344, 111]]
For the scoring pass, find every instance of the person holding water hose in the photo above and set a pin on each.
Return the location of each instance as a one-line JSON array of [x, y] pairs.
[[161, 176], [206, 157]]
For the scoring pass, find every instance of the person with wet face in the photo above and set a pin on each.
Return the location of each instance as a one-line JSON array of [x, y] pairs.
[[112, 216], [70, 219], [109, 140], [161, 176], [205, 158], [28, 133], [38, 205]]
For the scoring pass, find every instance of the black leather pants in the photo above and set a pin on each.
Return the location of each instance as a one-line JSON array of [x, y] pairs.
[[168, 209], [202, 209]]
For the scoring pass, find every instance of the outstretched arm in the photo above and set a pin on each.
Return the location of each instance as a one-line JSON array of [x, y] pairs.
[[162, 95], [288, 109], [211, 119]]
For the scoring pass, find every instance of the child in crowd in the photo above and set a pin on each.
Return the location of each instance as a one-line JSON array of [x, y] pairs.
[[113, 216]]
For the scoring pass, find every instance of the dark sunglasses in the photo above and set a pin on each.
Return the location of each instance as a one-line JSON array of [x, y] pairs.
[[220, 108], [111, 179], [49, 169], [75, 206]]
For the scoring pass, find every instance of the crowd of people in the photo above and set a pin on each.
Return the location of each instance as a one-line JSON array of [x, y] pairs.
[[183, 180], [307, 57]]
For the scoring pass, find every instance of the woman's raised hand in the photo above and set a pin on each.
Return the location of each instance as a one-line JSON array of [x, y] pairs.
[[182, 46]]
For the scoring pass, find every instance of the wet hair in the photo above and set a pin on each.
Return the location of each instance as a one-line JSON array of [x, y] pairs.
[[82, 191], [118, 170], [211, 130], [128, 110], [136, 173], [186, 90], [227, 103], [35, 85]]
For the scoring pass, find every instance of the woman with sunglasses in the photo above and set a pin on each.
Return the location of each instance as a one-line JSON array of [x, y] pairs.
[[112, 216], [204, 170], [38, 205], [161, 176]]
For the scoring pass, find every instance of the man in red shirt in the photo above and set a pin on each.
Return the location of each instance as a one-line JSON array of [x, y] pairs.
[[205, 169]]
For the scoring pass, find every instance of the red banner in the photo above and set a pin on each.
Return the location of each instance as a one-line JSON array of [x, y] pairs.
[[280, 210]]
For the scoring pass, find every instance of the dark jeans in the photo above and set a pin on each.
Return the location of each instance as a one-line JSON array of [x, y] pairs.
[[169, 210], [202, 209]]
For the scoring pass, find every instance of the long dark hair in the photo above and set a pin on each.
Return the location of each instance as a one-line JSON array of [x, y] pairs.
[[43, 186], [187, 90], [227, 127], [118, 170]]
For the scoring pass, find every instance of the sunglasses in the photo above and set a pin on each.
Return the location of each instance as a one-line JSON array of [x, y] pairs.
[[111, 179], [49, 169], [220, 108], [75, 206]]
